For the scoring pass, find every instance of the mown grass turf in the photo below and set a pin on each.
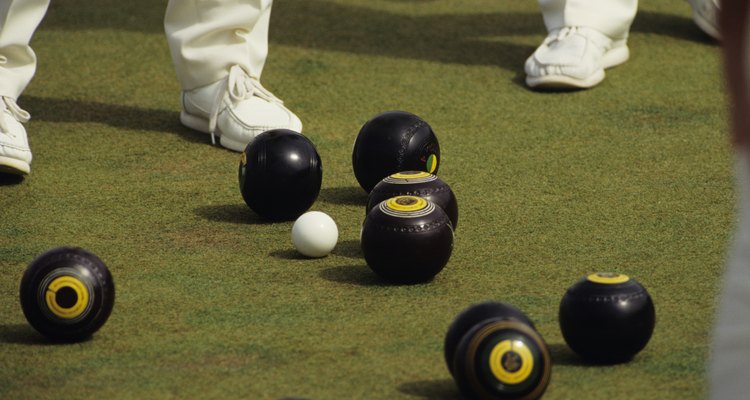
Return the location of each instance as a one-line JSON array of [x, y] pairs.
[[633, 176]]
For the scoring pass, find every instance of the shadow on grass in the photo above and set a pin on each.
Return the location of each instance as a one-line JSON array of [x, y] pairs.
[[670, 25], [358, 275], [350, 195], [25, 334], [435, 389], [50, 109], [289, 254], [349, 249], [231, 213], [467, 39], [10, 179], [562, 355], [21, 334]]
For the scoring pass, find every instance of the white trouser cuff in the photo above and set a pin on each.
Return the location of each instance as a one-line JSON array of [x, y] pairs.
[[206, 38], [610, 17]]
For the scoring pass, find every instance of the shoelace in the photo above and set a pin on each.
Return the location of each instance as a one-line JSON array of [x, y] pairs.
[[241, 85], [9, 105], [566, 32], [598, 39]]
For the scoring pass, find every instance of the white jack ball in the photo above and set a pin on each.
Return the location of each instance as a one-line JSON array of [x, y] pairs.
[[314, 234]]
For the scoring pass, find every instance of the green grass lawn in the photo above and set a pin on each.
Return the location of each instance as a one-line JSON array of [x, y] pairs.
[[634, 176]]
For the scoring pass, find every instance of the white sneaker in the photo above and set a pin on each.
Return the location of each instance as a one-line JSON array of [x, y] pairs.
[[15, 154], [236, 109], [705, 14], [573, 57]]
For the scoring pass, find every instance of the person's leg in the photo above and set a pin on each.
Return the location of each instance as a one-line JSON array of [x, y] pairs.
[[584, 38], [18, 21], [219, 49], [730, 355], [705, 14]]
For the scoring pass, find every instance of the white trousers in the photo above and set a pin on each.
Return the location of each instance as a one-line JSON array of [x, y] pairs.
[[610, 17], [205, 38], [18, 21]]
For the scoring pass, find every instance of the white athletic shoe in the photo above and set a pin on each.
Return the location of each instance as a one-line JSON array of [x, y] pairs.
[[236, 109], [705, 14], [573, 57], [15, 154]]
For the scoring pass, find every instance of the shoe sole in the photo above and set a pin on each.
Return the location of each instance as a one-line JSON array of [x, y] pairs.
[[196, 123], [13, 166], [611, 59]]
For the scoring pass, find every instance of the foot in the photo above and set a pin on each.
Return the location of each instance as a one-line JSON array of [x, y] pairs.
[[236, 109], [705, 14], [15, 154], [573, 58]]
